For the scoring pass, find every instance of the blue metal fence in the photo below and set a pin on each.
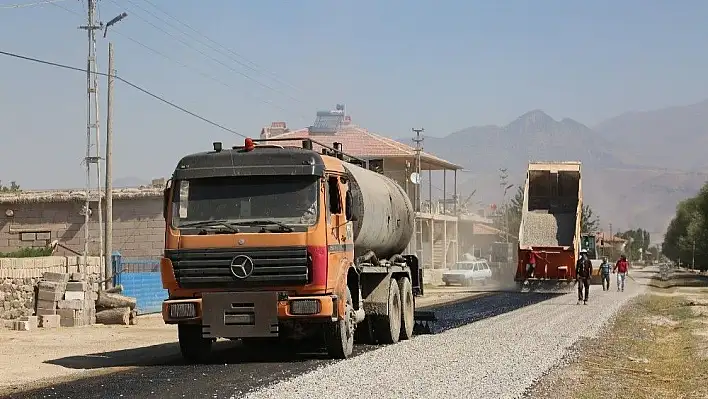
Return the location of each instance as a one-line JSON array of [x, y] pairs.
[[140, 278]]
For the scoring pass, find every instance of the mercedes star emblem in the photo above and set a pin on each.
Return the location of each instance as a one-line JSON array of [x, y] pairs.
[[241, 266]]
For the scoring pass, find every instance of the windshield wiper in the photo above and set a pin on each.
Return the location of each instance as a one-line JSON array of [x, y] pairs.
[[210, 223], [282, 226]]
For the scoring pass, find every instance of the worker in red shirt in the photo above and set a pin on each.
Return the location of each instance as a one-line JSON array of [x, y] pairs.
[[622, 268], [531, 265]]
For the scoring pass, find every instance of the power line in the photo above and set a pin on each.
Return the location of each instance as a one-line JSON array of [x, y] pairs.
[[23, 5], [161, 54], [255, 66], [127, 82], [203, 53]]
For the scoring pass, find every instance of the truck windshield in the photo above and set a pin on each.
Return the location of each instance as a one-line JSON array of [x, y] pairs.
[[279, 200]]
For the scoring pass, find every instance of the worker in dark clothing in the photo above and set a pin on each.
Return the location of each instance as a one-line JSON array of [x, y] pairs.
[[583, 271]]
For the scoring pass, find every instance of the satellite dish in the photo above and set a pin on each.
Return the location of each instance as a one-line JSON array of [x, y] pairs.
[[415, 178]]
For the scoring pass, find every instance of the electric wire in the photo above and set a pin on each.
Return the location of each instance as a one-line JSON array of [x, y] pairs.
[[127, 82]]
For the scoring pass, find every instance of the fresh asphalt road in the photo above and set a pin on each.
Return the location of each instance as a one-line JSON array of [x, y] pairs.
[[235, 369]]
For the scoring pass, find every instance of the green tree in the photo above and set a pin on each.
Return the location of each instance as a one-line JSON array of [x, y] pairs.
[[589, 222], [510, 213], [12, 188], [687, 234]]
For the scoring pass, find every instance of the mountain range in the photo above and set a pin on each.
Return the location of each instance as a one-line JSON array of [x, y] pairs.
[[636, 166]]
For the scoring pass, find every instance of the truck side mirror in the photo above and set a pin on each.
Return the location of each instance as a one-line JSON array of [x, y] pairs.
[[165, 201], [349, 207], [166, 198]]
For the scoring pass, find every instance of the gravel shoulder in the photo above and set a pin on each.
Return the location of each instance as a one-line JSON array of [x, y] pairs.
[[32, 359], [655, 348], [498, 357]]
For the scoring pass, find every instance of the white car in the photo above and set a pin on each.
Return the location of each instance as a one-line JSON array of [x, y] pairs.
[[468, 272]]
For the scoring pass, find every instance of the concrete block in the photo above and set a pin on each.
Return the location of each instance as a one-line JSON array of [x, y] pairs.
[[52, 286], [49, 321], [70, 304], [92, 295], [71, 322], [75, 295], [79, 286], [55, 277], [46, 312], [77, 276], [32, 320], [44, 236], [21, 325], [46, 304], [49, 295]]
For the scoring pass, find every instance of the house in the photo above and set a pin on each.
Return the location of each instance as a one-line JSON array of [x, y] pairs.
[[436, 243]]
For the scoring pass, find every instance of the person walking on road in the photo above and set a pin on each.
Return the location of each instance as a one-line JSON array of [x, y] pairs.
[[622, 268], [605, 267], [583, 271]]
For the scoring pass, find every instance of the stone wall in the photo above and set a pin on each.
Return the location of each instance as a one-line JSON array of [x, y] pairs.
[[138, 226], [19, 278]]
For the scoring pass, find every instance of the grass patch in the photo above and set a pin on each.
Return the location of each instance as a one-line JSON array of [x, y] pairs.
[[653, 349], [28, 252]]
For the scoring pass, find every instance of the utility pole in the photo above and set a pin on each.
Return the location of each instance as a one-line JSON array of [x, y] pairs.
[[693, 256], [612, 244], [108, 250], [418, 223], [92, 126]]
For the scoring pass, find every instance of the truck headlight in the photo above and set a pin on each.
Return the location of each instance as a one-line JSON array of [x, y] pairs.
[[304, 306], [183, 310]]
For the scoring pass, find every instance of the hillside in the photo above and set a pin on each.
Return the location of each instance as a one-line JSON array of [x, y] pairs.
[[632, 173]]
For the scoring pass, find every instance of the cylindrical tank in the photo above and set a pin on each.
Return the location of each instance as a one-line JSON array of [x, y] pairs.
[[384, 213]]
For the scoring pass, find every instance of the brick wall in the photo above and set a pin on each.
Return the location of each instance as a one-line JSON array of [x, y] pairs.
[[138, 226]]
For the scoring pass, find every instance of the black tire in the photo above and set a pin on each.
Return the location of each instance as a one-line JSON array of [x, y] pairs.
[[407, 308], [388, 328], [194, 348], [340, 334]]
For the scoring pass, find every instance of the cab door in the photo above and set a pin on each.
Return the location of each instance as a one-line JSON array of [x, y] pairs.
[[336, 225]]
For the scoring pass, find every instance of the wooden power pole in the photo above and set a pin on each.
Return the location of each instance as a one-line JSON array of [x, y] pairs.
[[108, 250]]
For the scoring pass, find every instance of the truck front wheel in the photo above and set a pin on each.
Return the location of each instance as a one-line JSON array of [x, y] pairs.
[[194, 347], [340, 334]]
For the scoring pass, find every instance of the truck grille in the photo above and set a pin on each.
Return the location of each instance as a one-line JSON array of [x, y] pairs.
[[196, 268]]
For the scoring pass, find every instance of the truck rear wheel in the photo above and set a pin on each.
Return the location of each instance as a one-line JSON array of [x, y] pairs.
[[407, 308], [388, 328], [194, 347], [340, 334]]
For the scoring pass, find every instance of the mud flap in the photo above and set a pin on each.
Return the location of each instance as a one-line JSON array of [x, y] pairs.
[[424, 322]]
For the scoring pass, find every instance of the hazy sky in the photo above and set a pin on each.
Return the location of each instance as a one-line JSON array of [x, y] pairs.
[[443, 65]]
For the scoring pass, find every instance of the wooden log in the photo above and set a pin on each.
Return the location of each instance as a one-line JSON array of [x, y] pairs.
[[133, 317], [114, 316], [106, 300], [115, 290]]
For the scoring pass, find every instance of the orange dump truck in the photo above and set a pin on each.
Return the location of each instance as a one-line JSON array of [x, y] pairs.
[[285, 243], [550, 222]]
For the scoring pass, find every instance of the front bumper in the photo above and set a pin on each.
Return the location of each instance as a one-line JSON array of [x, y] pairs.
[[247, 313]]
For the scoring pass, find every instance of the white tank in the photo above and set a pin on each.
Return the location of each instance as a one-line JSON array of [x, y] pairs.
[[384, 213]]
